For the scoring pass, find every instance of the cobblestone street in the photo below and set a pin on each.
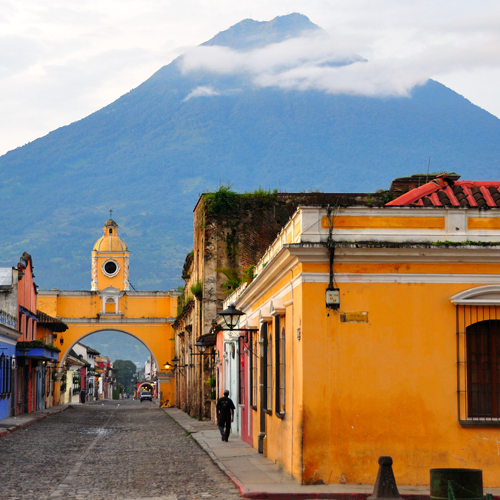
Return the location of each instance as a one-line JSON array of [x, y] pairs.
[[123, 450]]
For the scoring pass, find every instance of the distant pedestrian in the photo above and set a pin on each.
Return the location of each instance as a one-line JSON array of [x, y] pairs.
[[225, 415], [82, 396]]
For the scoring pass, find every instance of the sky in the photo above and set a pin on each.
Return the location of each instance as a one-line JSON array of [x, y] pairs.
[[61, 60]]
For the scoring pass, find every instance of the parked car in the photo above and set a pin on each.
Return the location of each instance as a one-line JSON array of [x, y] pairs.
[[146, 395]]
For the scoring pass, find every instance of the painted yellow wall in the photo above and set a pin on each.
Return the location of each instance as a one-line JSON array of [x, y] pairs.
[[386, 387], [283, 442]]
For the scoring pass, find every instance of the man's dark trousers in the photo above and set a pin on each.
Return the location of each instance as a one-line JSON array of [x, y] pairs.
[[224, 424]]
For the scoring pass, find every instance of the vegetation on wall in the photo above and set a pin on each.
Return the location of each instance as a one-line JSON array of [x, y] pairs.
[[37, 344], [225, 202], [234, 279], [184, 301], [197, 290]]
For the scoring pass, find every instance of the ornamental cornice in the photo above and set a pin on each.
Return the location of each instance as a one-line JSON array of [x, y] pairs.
[[290, 255], [118, 321]]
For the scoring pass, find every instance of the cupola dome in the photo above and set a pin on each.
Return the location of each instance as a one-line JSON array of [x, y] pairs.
[[110, 241]]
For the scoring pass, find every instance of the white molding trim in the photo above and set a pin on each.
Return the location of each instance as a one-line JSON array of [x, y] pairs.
[[118, 321], [399, 278], [483, 296]]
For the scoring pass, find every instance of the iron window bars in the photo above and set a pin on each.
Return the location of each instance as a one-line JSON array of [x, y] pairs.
[[478, 364]]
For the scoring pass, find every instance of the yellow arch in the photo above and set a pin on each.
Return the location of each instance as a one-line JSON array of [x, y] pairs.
[[67, 349], [146, 316]]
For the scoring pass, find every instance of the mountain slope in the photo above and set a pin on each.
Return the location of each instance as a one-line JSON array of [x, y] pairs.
[[149, 155]]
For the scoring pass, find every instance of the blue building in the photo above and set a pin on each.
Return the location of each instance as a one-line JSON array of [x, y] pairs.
[[8, 339]]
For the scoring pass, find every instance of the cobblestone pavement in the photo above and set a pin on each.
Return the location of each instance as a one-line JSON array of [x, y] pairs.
[[123, 450]]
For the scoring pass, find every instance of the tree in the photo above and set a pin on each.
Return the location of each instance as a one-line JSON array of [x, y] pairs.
[[127, 374]]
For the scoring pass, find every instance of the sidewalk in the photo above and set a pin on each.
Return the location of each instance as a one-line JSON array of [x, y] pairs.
[[12, 424], [260, 478]]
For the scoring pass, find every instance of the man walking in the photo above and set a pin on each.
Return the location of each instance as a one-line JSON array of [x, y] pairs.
[[225, 415]]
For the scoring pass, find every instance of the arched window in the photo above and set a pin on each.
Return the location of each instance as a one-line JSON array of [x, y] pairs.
[[478, 355], [269, 391], [110, 305]]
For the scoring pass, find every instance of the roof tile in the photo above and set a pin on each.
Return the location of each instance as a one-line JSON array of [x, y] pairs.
[[447, 192]]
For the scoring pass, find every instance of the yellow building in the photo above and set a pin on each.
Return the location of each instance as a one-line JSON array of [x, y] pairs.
[[377, 333], [112, 306]]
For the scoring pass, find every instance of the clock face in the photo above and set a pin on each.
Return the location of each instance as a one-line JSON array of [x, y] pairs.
[[110, 268]]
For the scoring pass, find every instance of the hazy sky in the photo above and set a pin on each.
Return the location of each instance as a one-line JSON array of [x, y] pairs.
[[60, 60]]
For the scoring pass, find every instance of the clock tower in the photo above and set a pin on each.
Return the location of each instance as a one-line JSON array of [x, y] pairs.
[[110, 259]]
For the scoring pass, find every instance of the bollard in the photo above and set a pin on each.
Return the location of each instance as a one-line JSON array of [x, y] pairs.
[[385, 485]]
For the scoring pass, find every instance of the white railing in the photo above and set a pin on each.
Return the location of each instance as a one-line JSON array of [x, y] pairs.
[[8, 319]]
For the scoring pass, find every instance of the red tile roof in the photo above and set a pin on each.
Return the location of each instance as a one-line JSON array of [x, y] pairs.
[[445, 192]]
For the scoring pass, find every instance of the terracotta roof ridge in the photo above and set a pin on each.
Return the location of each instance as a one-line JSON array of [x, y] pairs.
[[415, 194]]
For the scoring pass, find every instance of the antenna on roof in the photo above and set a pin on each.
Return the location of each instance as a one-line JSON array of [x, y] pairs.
[[428, 166]]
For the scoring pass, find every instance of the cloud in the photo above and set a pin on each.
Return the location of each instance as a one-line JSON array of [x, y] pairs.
[[328, 64], [202, 91]]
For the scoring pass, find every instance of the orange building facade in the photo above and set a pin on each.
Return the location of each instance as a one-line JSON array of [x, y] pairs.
[[377, 333]]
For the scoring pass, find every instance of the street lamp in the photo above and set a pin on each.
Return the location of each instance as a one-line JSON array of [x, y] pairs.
[[201, 346], [231, 317]]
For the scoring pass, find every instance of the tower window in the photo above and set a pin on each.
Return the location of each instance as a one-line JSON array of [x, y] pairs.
[[111, 232], [110, 268]]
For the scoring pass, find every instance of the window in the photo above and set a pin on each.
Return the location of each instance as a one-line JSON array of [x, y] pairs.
[[483, 369], [269, 377], [241, 372], [5, 374], [110, 306], [263, 366], [280, 366], [110, 268], [478, 364], [254, 345]]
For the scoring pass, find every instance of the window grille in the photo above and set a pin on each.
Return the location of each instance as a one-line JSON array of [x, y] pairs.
[[478, 363], [280, 365], [263, 366], [282, 369], [253, 369], [269, 373]]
